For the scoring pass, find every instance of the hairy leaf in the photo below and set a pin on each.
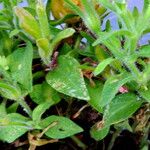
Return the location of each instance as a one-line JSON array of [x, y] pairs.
[[20, 64], [102, 65], [67, 78], [121, 108], [63, 128], [112, 86], [12, 127], [44, 93]]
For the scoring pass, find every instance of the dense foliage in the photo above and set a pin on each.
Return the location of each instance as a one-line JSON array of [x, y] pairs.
[[45, 61]]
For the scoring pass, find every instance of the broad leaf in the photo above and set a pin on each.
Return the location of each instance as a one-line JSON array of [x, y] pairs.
[[112, 86], [44, 93], [102, 65], [20, 64], [64, 127], [12, 127], [121, 108], [67, 78]]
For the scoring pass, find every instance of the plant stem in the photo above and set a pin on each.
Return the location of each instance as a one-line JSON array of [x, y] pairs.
[[79, 142], [111, 144], [134, 70]]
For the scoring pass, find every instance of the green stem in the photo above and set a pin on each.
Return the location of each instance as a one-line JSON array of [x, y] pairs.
[[86, 67], [134, 70], [79, 142], [111, 144], [77, 44]]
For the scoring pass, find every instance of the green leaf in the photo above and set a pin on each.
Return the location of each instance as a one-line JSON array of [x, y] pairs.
[[67, 78], [44, 93], [95, 92], [62, 20], [12, 127], [28, 22], [88, 14], [145, 93], [103, 36], [13, 33], [39, 110], [64, 127], [75, 8], [121, 108], [43, 20], [102, 65], [12, 108], [112, 86], [91, 17], [20, 64], [3, 63], [45, 51], [99, 134], [3, 110], [146, 5], [62, 35], [144, 51], [9, 91]]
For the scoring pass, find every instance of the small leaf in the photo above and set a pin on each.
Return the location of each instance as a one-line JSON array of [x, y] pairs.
[[12, 127], [12, 108], [95, 92], [144, 51], [62, 35], [91, 17], [121, 108], [44, 93], [64, 127], [4, 63], [3, 110], [13, 33], [39, 110], [145, 93], [43, 20], [45, 51], [28, 22], [102, 65], [99, 134], [103, 36], [112, 86], [67, 78], [20, 64], [9, 91]]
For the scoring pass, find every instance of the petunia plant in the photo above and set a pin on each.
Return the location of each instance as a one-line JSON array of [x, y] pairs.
[[57, 53]]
